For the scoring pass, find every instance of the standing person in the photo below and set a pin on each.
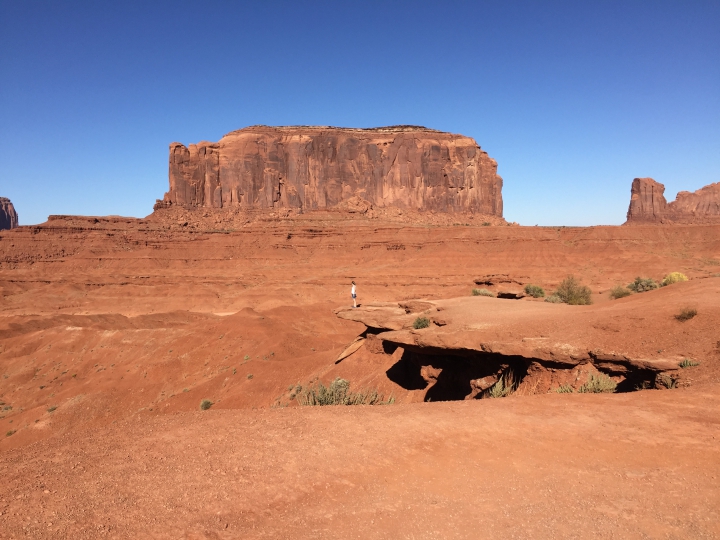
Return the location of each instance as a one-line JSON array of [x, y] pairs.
[[353, 293]]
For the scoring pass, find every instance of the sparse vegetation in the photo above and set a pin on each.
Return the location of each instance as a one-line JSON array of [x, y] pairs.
[[686, 314], [205, 404], [535, 291], [421, 322], [667, 381], [482, 292], [338, 393], [598, 384], [554, 299], [10, 432], [643, 285], [673, 277], [688, 362], [250, 376], [503, 387], [564, 389], [572, 292], [619, 292], [51, 409]]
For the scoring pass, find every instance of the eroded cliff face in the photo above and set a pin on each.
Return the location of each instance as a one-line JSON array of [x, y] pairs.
[[648, 204], [8, 215], [320, 167]]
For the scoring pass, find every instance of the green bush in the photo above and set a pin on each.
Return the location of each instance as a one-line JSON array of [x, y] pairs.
[[598, 384], [205, 404], [554, 299], [687, 362], [686, 314], [572, 292], [618, 291], [673, 277], [482, 292], [338, 393], [421, 322], [535, 291], [643, 285]]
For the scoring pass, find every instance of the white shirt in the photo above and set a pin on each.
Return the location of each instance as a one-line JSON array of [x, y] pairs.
[[353, 290]]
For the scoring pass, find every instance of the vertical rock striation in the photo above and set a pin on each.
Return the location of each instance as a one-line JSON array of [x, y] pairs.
[[311, 167], [648, 204], [8, 215]]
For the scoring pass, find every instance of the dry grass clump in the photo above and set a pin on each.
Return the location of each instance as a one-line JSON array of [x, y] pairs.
[[686, 314], [554, 299], [503, 387], [205, 404], [688, 362], [618, 291], [482, 292], [668, 382], [338, 393], [572, 292], [598, 384], [673, 277], [421, 322], [643, 285], [534, 290], [564, 389]]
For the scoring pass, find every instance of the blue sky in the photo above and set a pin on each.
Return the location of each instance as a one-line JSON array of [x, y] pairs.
[[573, 99]]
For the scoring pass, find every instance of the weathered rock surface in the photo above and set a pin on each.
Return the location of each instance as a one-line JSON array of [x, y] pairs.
[[648, 204], [311, 167], [8, 215]]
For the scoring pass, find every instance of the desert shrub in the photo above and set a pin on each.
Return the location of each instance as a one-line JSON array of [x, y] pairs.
[[572, 292], [686, 314], [503, 387], [338, 393], [668, 382], [554, 299], [643, 285], [421, 322], [535, 291], [249, 375], [482, 292], [618, 291], [564, 389], [598, 384], [12, 431], [673, 277], [205, 404], [51, 409], [688, 362]]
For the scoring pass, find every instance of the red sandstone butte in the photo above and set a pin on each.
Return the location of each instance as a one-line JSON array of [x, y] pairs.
[[648, 204], [8, 215], [315, 167]]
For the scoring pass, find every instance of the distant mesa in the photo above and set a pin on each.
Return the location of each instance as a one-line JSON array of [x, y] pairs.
[[648, 204], [322, 167], [8, 215]]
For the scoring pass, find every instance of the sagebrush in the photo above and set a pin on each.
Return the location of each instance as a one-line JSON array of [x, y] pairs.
[[421, 322], [643, 285], [572, 292], [598, 384], [619, 292], [534, 290]]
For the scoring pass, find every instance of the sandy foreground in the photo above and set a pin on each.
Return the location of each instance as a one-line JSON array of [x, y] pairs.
[[639, 465]]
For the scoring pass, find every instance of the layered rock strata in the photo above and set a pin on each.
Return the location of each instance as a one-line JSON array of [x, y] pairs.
[[648, 204], [8, 215], [310, 167]]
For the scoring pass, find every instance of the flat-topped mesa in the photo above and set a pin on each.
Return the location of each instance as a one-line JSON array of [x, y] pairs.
[[8, 215], [648, 204], [319, 167]]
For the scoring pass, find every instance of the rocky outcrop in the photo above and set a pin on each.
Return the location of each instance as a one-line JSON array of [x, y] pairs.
[[311, 167], [648, 204], [8, 215]]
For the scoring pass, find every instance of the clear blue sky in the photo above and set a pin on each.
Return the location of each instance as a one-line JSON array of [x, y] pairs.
[[573, 99]]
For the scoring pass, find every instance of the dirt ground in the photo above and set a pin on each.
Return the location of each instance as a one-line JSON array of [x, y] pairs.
[[113, 330]]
